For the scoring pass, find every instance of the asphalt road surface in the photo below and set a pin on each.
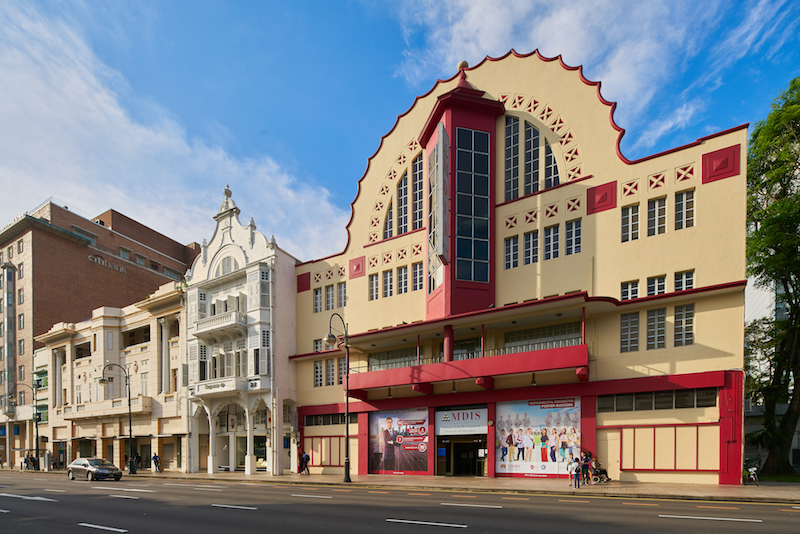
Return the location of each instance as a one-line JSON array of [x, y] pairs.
[[52, 504]]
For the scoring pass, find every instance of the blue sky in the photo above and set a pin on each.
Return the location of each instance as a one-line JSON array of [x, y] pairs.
[[152, 107]]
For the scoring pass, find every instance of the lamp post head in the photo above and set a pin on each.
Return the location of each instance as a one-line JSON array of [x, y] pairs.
[[329, 340]]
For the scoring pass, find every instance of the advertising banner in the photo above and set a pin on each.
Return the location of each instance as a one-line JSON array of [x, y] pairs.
[[398, 442], [536, 438]]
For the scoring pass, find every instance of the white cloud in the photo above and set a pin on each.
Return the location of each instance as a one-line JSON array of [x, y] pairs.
[[64, 132], [636, 49]]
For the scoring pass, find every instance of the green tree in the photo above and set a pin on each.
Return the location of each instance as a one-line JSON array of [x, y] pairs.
[[773, 259]]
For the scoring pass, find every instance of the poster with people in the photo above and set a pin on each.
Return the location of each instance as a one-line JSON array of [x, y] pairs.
[[398, 442], [537, 438]]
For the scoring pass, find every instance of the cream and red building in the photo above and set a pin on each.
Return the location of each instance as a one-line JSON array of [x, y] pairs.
[[508, 269]]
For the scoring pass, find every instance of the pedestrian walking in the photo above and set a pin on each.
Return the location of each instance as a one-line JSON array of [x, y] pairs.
[[575, 468]]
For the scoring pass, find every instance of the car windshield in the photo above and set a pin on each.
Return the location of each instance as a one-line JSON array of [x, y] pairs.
[[101, 462]]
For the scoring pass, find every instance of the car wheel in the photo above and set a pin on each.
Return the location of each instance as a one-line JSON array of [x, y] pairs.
[[89, 476], [117, 478], [70, 475]]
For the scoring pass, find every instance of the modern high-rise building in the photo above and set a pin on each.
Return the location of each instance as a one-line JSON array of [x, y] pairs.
[[58, 266], [517, 291]]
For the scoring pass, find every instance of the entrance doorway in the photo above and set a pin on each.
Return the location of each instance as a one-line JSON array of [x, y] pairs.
[[461, 455]]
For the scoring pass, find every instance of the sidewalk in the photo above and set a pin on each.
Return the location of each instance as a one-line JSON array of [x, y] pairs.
[[767, 492]]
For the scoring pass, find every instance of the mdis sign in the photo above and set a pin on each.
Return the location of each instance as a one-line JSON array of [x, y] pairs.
[[461, 422]]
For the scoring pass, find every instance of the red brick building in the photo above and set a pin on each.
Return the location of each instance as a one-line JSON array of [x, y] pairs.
[[57, 266]]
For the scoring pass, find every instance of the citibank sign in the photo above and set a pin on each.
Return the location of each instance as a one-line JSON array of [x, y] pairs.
[[460, 422], [101, 261]]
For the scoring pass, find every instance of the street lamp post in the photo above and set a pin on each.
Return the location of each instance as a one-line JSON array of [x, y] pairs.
[[330, 342], [103, 380], [35, 415]]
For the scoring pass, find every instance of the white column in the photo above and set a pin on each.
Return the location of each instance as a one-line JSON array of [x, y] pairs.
[[249, 458], [165, 385], [232, 452], [212, 445]]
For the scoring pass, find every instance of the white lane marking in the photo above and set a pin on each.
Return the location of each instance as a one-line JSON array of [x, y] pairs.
[[45, 479], [27, 498], [4, 486], [428, 523], [207, 489], [125, 497], [56, 490], [181, 485], [124, 489], [235, 507], [101, 527], [712, 518], [312, 496], [470, 505], [139, 485], [4, 511]]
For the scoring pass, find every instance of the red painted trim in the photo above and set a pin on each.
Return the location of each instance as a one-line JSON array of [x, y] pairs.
[[363, 444], [424, 387], [529, 195], [491, 415], [731, 153], [521, 362], [395, 237], [663, 425], [589, 423], [303, 282], [486, 382], [594, 202], [431, 441], [731, 410], [642, 470]]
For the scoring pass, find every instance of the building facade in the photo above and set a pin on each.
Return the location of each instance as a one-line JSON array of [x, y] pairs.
[[91, 365], [56, 265], [510, 273], [240, 306]]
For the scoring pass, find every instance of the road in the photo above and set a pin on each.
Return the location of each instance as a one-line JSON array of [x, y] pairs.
[[52, 504]]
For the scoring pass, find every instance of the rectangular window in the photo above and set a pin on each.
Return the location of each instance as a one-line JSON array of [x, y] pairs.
[[19, 247], [416, 194], [531, 247], [10, 252], [20, 297], [472, 205], [417, 276], [318, 374], [512, 158], [21, 373], [684, 209], [388, 284], [573, 237], [20, 321], [684, 280], [550, 167], [656, 216], [140, 259], [373, 287], [629, 332], [684, 325], [329, 297], [402, 205], [342, 369], [317, 299], [20, 271], [341, 289], [124, 253], [656, 285], [20, 347], [330, 372], [656, 329], [144, 377], [317, 345], [172, 273], [630, 290], [21, 398], [512, 252], [551, 242], [84, 234], [630, 223], [531, 159], [402, 280]]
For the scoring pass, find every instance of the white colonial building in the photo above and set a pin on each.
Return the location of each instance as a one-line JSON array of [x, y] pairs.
[[240, 306]]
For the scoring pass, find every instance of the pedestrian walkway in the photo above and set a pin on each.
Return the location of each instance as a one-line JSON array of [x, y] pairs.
[[773, 492]]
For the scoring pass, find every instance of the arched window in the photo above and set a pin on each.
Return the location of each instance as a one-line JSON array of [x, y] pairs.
[[534, 150]]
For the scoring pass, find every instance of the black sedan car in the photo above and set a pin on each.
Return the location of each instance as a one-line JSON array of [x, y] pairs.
[[93, 469]]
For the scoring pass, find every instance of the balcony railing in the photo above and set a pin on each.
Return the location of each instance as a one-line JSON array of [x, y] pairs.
[[222, 320], [571, 341]]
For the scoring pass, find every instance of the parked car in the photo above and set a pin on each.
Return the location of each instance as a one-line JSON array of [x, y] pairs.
[[93, 469]]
